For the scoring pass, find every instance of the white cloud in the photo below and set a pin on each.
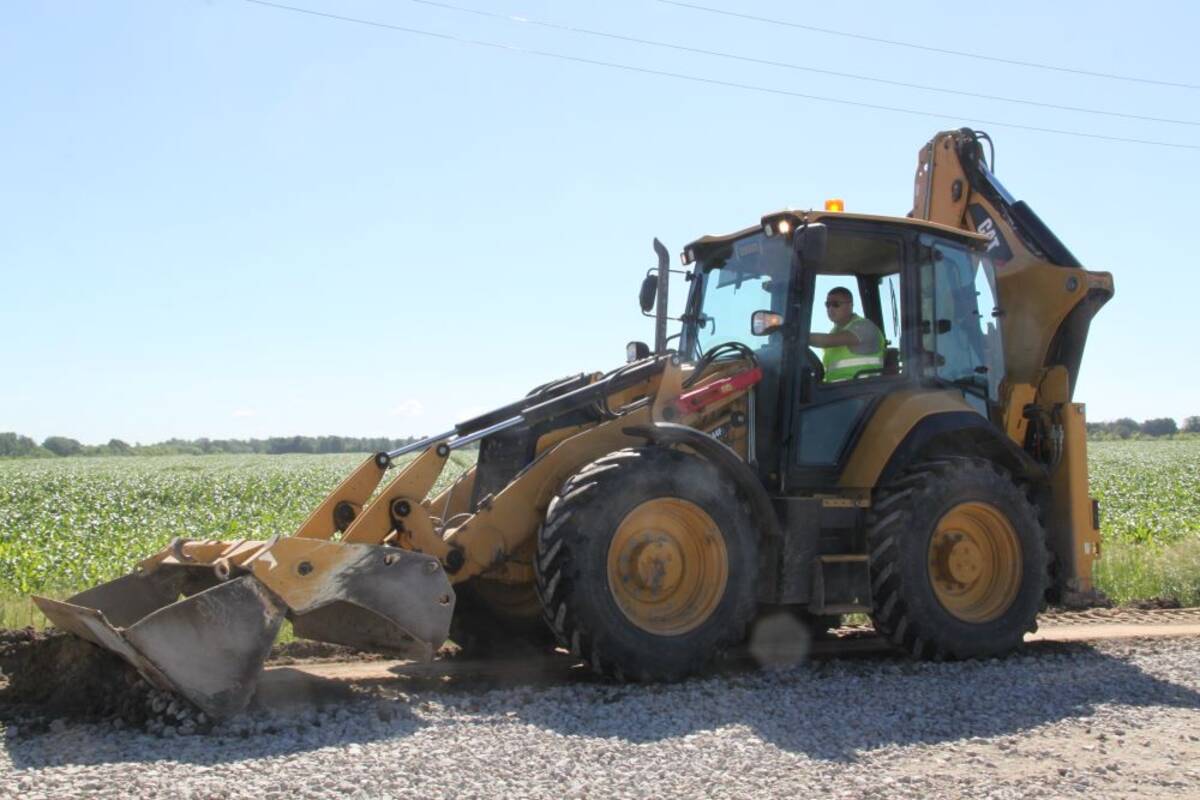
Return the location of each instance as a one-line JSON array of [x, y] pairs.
[[409, 408], [245, 412]]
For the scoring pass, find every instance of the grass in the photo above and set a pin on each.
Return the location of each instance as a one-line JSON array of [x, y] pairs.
[[70, 523], [1129, 572], [19, 612]]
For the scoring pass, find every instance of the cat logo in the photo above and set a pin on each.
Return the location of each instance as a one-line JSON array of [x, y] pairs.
[[997, 248]]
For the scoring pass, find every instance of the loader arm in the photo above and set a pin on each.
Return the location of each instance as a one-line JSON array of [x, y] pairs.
[[371, 567]]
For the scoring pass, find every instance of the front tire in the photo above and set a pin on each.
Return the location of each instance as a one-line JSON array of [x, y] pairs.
[[646, 564], [959, 566]]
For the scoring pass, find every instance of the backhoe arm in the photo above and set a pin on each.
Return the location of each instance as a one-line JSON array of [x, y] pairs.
[[1047, 298], [1046, 304]]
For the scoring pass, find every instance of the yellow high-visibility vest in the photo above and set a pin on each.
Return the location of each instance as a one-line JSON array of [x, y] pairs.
[[842, 363]]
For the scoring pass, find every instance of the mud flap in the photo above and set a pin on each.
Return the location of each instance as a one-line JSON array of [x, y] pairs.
[[209, 647]]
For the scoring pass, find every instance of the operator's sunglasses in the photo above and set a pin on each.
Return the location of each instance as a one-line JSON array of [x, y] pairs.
[[835, 303]]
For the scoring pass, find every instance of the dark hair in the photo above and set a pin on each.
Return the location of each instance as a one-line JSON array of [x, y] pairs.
[[842, 291]]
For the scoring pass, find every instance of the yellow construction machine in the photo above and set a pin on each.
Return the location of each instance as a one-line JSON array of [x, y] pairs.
[[644, 518]]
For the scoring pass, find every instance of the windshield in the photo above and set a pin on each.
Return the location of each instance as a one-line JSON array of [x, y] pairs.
[[735, 280]]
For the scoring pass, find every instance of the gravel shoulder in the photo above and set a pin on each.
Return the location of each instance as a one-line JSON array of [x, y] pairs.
[[1111, 719]]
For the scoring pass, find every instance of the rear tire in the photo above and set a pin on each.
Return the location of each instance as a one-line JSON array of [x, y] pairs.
[[646, 564], [959, 566]]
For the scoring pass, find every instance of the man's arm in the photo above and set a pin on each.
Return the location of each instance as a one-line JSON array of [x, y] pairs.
[[840, 339]]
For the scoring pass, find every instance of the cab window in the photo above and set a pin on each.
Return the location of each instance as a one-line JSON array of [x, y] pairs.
[[869, 269], [826, 283], [960, 334]]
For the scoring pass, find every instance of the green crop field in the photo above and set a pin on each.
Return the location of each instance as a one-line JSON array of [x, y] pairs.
[[68, 523], [1149, 494]]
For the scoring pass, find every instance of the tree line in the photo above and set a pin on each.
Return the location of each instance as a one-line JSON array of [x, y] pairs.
[[1126, 428], [14, 445]]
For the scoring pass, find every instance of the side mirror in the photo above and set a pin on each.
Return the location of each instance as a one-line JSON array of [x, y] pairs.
[[812, 242], [636, 351], [648, 292], [763, 323]]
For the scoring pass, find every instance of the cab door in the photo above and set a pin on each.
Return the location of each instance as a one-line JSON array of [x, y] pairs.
[[828, 416]]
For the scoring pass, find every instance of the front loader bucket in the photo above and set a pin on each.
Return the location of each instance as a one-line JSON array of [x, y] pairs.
[[372, 597], [208, 647], [380, 598]]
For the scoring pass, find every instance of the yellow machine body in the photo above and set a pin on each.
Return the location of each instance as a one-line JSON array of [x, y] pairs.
[[380, 564]]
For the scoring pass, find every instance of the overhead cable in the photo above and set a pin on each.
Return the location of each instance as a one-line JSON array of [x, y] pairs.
[[714, 81], [786, 65], [927, 48]]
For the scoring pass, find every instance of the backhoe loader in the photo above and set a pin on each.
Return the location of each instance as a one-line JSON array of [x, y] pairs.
[[643, 518]]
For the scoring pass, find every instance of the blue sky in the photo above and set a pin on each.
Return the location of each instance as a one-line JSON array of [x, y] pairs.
[[221, 219]]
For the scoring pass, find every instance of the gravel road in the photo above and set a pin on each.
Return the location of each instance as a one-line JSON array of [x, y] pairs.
[[1113, 719]]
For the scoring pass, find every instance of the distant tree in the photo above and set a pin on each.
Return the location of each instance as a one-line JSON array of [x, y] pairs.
[[14, 445], [1125, 427], [1163, 426], [62, 446], [333, 444], [1191, 425]]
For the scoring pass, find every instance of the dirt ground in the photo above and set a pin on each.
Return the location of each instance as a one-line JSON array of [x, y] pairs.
[[51, 675]]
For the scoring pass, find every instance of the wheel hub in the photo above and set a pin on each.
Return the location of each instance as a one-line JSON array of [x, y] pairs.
[[956, 561], [975, 562], [964, 562], [667, 566], [655, 565]]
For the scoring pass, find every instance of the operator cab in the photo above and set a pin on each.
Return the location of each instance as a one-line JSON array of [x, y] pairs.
[[928, 289]]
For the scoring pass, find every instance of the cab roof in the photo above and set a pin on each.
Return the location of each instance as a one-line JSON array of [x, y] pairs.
[[801, 217]]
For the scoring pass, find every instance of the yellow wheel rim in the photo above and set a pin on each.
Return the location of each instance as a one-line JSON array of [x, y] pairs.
[[667, 566], [975, 562]]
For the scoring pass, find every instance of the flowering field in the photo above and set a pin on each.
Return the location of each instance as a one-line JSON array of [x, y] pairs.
[[68, 523]]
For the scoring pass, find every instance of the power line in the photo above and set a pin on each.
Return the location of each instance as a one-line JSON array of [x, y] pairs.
[[927, 48], [714, 81], [786, 65]]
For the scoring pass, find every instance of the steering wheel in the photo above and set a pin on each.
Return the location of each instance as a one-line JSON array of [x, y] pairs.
[[814, 362]]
